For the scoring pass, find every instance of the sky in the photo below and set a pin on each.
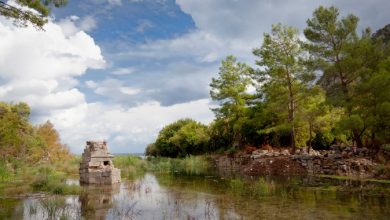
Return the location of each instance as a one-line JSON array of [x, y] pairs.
[[120, 70]]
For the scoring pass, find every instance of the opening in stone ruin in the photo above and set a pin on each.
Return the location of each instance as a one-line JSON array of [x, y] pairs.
[[106, 163]]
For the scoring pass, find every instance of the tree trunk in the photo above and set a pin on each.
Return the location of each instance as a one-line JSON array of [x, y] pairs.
[[291, 110], [310, 138], [291, 114], [291, 120], [357, 138]]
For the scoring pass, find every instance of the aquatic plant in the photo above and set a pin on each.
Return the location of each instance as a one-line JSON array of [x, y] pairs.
[[261, 187], [53, 207], [133, 166], [237, 185]]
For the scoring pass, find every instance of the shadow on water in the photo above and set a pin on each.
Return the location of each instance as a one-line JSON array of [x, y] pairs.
[[175, 196]]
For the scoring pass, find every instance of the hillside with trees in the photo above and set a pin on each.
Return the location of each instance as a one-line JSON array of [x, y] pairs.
[[331, 88]]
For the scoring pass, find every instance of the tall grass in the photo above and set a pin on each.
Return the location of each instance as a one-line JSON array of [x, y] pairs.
[[133, 166], [50, 180], [191, 165], [18, 177]]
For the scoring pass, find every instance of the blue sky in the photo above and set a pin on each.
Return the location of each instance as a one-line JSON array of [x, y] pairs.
[[122, 69]]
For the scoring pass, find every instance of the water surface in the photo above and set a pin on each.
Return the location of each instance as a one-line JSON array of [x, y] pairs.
[[209, 197]]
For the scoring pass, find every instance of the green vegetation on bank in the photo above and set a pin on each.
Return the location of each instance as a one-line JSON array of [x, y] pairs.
[[23, 144], [44, 177], [133, 166], [330, 88], [32, 157]]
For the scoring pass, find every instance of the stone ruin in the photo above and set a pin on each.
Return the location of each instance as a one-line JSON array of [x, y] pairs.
[[96, 165]]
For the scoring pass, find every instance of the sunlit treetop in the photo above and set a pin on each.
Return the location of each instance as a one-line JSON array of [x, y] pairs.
[[23, 12]]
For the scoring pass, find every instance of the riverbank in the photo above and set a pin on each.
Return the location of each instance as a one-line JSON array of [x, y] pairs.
[[44, 178]]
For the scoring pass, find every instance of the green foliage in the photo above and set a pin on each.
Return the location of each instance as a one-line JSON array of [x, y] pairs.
[[330, 88], [181, 138], [21, 141], [230, 90], [285, 80], [330, 40], [321, 141], [5, 172], [348, 62], [131, 166], [23, 16]]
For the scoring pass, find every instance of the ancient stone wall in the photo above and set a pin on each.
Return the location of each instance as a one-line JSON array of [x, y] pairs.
[[96, 165]]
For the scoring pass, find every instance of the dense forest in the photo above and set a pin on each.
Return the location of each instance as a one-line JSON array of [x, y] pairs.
[[331, 87]]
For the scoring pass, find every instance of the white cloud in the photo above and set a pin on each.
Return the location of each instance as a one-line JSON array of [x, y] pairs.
[[88, 23], [129, 90], [91, 84], [26, 53], [113, 89], [39, 67], [124, 71], [144, 25], [129, 129], [115, 2], [73, 24]]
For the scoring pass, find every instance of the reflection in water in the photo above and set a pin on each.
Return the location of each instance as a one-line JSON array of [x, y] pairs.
[[51, 208], [95, 201], [208, 197]]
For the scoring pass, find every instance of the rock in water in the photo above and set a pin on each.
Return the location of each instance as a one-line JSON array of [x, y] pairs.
[[96, 165]]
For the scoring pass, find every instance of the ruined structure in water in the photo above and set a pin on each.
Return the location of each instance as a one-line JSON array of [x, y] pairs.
[[96, 165]]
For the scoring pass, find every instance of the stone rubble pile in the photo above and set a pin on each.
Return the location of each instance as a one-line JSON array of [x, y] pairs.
[[350, 161]]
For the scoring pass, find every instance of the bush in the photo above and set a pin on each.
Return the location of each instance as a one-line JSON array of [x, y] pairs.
[[321, 142], [181, 138]]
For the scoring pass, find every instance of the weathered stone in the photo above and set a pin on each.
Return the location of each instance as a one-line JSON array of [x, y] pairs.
[[285, 152], [314, 153], [96, 166]]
